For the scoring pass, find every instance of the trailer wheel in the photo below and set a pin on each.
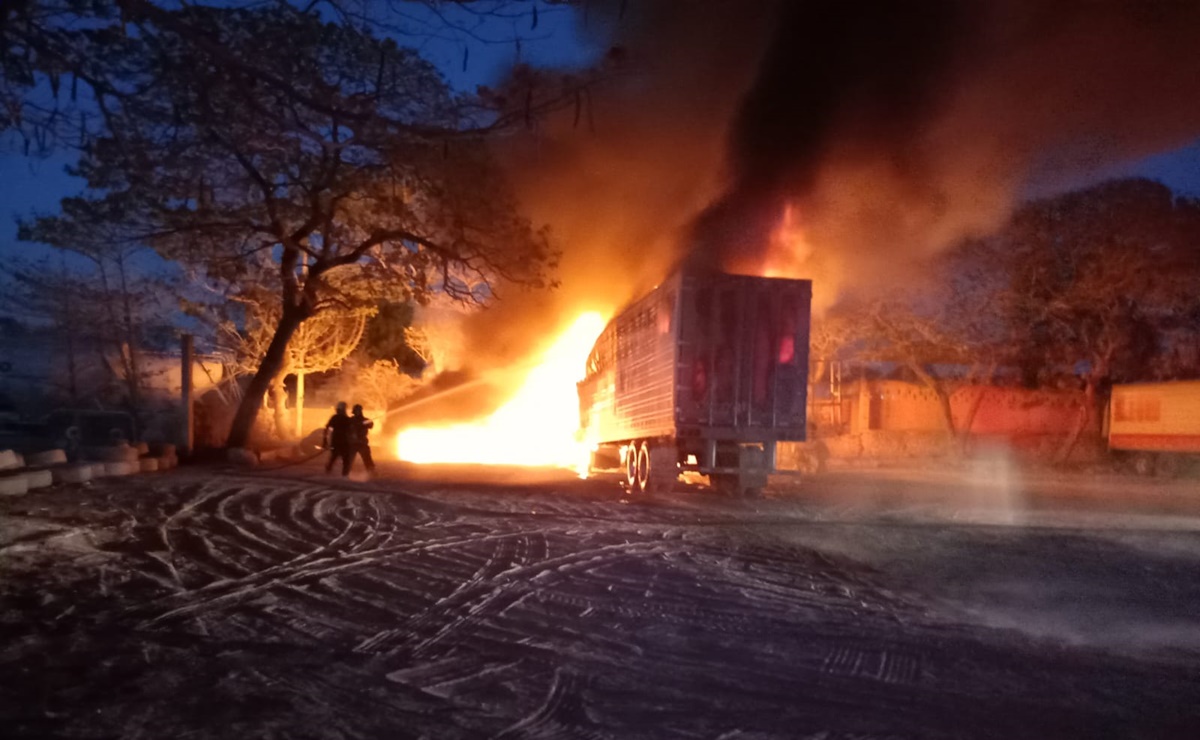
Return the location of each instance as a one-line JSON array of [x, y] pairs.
[[658, 468], [631, 466], [643, 469], [1143, 463]]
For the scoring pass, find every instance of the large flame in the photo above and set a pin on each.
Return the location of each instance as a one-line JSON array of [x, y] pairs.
[[538, 426], [790, 254]]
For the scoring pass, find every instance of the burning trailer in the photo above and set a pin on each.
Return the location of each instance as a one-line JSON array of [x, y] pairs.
[[705, 374]]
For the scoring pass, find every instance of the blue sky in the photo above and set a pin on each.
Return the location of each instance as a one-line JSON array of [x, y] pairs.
[[1179, 169], [29, 184]]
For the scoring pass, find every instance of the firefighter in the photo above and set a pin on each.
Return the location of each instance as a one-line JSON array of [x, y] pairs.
[[360, 430], [337, 439]]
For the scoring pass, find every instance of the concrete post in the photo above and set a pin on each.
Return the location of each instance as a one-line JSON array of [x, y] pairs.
[[862, 414]]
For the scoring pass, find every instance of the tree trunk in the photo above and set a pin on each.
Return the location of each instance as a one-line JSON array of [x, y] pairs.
[[964, 435], [943, 396], [1098, 372], [133, 370], [1085, 419], [67, 324], [110, 334], [272, 364]]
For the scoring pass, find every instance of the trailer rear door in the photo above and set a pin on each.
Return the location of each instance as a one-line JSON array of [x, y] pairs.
[[743, 356]]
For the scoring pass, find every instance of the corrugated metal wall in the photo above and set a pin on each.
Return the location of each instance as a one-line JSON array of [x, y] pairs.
[[645, 392]]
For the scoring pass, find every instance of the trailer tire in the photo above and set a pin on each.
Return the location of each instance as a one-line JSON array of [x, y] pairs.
[[1143, 463], [46, 457], [642, 456], [14, 484], [72, 473], [10, 460], [631, 466], [38, 479]]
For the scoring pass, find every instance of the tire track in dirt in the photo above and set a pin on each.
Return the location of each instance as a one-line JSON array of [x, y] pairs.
[[503, 554], [560, 717], [229, 591], [868, 661], [502, 597], [223, 548], [574, 619], [356, 562], [474, 608]]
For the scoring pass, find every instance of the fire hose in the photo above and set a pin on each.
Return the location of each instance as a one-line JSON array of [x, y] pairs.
[[320, 451]]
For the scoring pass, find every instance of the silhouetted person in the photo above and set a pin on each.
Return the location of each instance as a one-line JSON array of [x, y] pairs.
[[360, 429], [338, 433]]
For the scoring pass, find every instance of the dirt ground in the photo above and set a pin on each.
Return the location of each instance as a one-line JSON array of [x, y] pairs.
[[461, 603]]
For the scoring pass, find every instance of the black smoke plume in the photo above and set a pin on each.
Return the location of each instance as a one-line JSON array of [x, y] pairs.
[[896, 128], [890, 128]]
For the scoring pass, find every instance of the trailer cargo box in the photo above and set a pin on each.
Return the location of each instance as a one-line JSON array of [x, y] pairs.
[[705, 373], [1156, 424]]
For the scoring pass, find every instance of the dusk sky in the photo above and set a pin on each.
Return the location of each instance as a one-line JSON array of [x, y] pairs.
[[35, 184]]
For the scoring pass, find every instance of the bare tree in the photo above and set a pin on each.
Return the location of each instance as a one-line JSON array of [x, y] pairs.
[[240, 133], [48, 296], [1097, 280], [241, 318], [52, 52], [108, 306], [322, 344], [379, 384]]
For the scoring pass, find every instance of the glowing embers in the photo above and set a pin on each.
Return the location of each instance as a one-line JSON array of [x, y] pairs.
[[537, 427]]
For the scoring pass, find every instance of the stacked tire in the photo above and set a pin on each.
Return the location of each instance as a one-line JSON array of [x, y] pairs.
[[13, 482], [165, 454], [21, 474], [17, 478]]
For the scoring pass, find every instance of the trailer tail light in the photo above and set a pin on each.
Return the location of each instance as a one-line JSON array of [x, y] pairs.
[[787, 349], [787, 332]]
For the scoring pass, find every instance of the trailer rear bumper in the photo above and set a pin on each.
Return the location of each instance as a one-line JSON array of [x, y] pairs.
[[1155, 442], [753, 435]]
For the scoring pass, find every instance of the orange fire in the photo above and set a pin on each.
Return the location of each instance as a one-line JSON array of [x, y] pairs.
[[537, 426], [788, 254], [791, 251]]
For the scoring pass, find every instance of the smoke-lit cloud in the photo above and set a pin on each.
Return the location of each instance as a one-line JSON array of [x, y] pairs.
[[891, 129]]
